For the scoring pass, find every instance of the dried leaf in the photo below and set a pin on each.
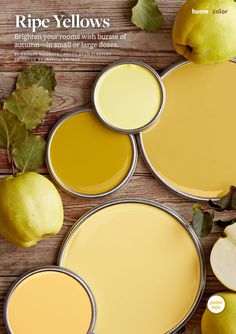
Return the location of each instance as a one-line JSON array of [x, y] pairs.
[[29, 104], [12, 131], [203, 223], [147, 16], [37, 75], [228, 202], [30, 155], [224, 223]]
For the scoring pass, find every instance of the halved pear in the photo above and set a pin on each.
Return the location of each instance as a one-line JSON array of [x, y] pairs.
[[223, 258]]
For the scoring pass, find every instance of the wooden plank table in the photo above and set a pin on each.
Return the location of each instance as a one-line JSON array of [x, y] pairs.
[[75, 79]]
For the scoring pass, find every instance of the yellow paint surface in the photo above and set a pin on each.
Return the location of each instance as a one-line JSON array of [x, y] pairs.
[[50, 302], [192, 145], [128, 96], [88, 157], [141, 264]]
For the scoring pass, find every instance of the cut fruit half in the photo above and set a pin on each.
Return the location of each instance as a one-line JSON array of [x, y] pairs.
[[223, 258]]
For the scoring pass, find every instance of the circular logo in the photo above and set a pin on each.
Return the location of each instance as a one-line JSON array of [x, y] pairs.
[[216, 304]]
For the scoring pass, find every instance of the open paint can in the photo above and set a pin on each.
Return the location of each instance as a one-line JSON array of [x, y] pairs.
[[143, 262], [128, 96], [86, 158], [190, 147], [50, 300]]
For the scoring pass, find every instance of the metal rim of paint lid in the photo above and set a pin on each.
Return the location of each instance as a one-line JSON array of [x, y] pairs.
[[159, 110], [76, 193], [147, 161], [174, 214], [49, 269]]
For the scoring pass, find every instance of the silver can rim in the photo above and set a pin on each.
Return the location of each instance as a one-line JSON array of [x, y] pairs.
[[159, 111], [174, 214], [147, 161], [45, 269], [68, 189]]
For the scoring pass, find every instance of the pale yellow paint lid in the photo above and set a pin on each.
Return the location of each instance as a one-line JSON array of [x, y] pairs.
[[128, 96], [49, 301], [191, 147], [141, 264]]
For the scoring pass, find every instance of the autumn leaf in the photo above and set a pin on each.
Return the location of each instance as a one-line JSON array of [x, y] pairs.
[[30, 105], [203, 221], [147, 16], [30, 155], [38, 75], [228, 202], [12, 131]]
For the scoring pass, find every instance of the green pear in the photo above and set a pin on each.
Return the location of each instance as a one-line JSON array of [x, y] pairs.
[[205, 31], [224, 322], [30, 209], [223, 258]]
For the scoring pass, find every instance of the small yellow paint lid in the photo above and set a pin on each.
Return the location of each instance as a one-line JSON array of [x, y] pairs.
[[50, 300], [128, 96]]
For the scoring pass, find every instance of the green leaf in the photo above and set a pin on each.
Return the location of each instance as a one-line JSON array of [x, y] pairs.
[[38, 75], [30, 155], [29, 104], [224, 223], [203, 223], [147, 16], [228, 202], [12, 131]]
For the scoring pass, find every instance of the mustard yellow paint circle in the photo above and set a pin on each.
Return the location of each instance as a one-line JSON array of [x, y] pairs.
[[191, 146], [87, 158], [128, 96], [141, 264], [49, 302]]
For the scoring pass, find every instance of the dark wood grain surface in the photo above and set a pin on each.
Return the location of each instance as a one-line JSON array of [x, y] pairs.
[[73, 91]]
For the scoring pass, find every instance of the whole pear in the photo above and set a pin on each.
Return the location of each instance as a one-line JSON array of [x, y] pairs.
[[224, 322], [30, 209], [209, 36]]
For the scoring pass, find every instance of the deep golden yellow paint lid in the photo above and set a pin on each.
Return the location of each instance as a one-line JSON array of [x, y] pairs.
[[88, 159]]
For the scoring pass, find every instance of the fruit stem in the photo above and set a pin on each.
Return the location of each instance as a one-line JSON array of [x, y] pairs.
[[10, 161]]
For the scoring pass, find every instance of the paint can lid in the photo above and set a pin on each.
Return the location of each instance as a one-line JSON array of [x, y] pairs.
[[128, 96], [55, 296]]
